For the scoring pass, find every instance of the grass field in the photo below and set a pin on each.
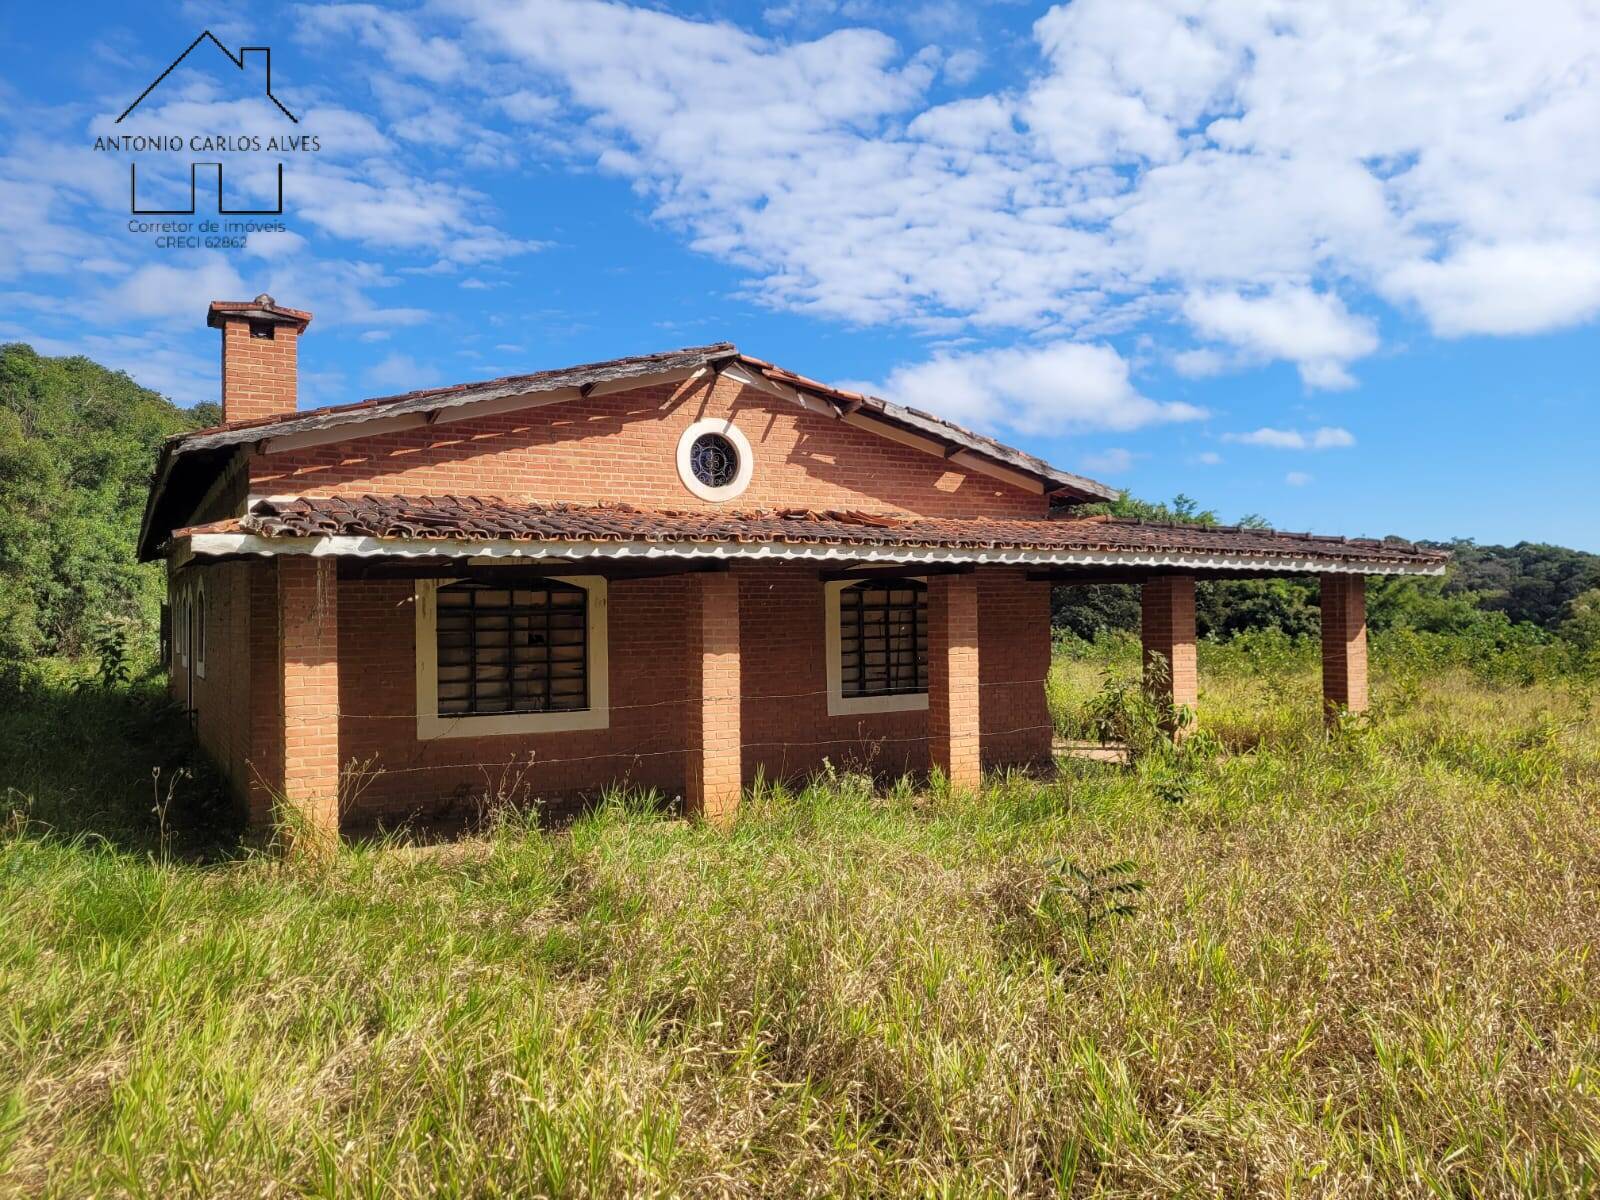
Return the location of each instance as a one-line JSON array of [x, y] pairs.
[[1357, 965]]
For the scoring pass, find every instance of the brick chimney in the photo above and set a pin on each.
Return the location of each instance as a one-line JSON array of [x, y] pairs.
[[258, 356]]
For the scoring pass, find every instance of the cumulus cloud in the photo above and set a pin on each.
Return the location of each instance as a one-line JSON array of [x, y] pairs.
[[1297, 479], [1214, 160], [1329, 437], [1516, 287], [162, 291], [1311, 329], [1063, 387], [1208, 173]]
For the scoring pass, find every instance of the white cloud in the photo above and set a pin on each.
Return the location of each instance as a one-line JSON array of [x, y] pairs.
[[161, 291], [1328, 437], [1297, 479], [1214, 160], [436, 59], [1063, 387], [1113, 461], [1518, 287], [962, 66], [400, 373], [1208, 458], [1202, 363], [1310, 329]]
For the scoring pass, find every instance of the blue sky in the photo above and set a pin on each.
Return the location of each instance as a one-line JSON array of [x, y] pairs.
[[1338, 265]]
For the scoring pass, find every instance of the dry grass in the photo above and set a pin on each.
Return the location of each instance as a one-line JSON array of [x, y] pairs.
[[1361, 965]]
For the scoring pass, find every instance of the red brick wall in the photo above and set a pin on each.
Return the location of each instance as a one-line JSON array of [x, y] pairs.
[[624, 447], [650, 694], [258, 374], [784, 728]]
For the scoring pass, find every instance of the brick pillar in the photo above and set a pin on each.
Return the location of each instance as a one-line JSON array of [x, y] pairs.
[[1167, 629], [264, 768], [1344, 643], [713, 772], [953, 742], [308, 623]]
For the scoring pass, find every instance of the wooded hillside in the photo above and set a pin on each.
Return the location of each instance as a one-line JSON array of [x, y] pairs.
[[77, 444]]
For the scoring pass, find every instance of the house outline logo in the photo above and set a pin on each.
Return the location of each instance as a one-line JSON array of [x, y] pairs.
[[238, 60]]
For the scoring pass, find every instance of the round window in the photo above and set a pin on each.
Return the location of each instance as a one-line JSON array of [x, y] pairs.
[[714, 460]]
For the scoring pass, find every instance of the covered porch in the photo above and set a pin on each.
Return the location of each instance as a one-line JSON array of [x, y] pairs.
[[717, 653]]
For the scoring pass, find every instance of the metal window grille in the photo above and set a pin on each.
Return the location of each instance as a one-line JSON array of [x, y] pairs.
[[883, 638], [513, 649], [714, 460]]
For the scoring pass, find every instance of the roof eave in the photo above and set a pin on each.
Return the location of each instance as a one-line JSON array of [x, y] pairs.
[[204, 543]]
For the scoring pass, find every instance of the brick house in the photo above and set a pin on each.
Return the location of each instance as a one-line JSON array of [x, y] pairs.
[[678, 570]]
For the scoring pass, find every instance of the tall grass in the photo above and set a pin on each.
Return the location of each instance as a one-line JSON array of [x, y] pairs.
[[1359, 964]]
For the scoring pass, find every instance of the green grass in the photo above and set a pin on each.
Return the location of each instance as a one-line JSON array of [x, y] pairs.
[[1359, 965]]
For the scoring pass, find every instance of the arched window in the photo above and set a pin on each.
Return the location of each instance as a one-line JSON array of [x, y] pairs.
[[512, 649], [883, 638]]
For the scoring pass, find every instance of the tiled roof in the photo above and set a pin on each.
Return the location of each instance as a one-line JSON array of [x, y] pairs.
[[453, 518]]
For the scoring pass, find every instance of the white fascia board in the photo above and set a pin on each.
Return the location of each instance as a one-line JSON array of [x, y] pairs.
[[976, 462], [504, 551], [895, 434]]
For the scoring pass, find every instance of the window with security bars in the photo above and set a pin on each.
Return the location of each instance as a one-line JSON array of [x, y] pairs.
[[883, 638], [513, 649]]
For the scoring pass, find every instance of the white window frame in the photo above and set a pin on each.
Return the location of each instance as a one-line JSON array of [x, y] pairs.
[[840, 705], [180, 626], [725, 427], [199, 604], [431, 725]]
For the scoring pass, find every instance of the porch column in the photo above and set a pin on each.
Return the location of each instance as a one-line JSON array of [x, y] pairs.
[[1344, 644], [714, 771], [953, 679], [308, 648], [1167, 630]]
